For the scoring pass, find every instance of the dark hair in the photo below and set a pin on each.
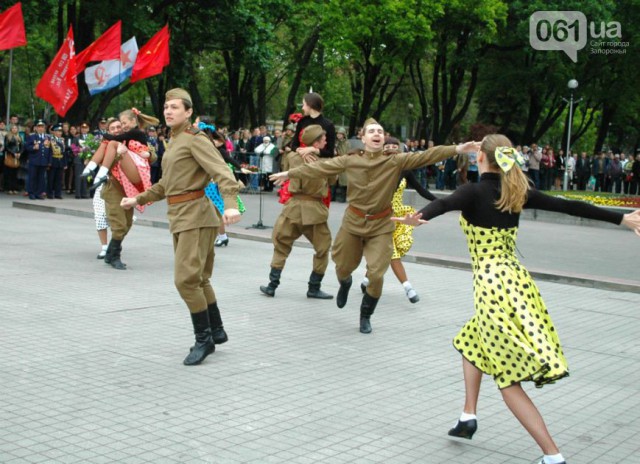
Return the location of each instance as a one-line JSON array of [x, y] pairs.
[[314, 101]]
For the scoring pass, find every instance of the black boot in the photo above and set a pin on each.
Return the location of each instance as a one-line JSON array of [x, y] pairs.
[[204, 345], [274, 281], [367, 308], [217, 330], [113, 255], [314, 287], [343, 293]]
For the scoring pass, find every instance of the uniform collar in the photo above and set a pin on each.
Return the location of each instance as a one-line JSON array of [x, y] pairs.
[[181, 128], [373, 154]]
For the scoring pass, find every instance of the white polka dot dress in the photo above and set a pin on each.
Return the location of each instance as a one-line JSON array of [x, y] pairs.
[[511, 336], [99, 210]]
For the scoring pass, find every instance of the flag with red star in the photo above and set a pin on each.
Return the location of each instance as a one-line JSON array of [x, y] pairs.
[[111, 73]]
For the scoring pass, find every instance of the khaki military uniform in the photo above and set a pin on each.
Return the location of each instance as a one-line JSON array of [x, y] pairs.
[[372, 180], [304, 214], [188, 164]]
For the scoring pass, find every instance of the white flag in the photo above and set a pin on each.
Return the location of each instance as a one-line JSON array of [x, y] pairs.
[[111, 73]]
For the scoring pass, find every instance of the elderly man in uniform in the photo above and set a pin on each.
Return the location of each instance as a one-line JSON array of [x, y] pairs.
[[58, 164], [303, 214], [38, 148], [366, 229], [189, 163]]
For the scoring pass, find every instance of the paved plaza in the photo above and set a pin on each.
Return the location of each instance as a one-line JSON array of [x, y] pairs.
[[91, 358]]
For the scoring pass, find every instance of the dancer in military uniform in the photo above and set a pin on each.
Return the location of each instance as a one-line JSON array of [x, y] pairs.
[[187, 168], [366, 229], [303, 214]]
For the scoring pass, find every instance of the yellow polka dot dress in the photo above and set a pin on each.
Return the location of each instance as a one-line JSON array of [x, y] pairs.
[[511, 336], [403, 234]]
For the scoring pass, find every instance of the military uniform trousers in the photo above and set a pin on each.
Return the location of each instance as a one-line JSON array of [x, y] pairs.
[[286, 231], [193, 266], [120, 219], [348, 250], [55, 177]]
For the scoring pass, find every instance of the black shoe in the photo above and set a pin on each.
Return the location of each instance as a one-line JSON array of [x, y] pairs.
[[365, 325], [219, 336], [97, 184], [204, 345], [113, 255], [221, 242], [464, 429], [269, 291], [314, 287], [343, 293]]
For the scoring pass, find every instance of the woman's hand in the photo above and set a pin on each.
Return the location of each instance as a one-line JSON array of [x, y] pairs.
[[308, 154], [410, 219], [279, 177], [128, 203], [231, 216], [468, 147], [632, 221]]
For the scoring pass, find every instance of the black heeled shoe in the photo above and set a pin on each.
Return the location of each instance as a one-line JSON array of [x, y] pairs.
[[222, 242], [97, 184], [464, 429]]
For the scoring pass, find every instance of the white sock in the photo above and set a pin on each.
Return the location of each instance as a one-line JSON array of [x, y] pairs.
[[407, 286], [104, 247], [553, 458], [90, 167], [464, 417], [365, 281], [102, 172], [222, 236]]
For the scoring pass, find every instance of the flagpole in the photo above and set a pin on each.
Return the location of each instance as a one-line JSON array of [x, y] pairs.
[[9, 87], [33, 105]]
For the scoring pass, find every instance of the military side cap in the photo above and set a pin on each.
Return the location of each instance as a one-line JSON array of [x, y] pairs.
[[40, 122], [369, 121], [178, 93], [342, 130], [291, 127], [311, 134]]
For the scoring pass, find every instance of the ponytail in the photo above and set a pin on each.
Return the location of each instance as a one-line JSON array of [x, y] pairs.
[[514, 184], [142, 119]]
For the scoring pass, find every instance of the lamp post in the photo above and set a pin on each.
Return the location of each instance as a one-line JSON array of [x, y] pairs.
[[572, 84]]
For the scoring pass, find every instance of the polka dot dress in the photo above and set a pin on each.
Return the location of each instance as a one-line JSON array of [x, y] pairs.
[[403, 234], [511, 336], [99, 210]]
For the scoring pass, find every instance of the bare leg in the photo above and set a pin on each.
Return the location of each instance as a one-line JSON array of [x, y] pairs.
[[472, 379], [102, 235], [130, 169], [98, 156], [221, 230], [526, 412], [398, 270], [109, 155]]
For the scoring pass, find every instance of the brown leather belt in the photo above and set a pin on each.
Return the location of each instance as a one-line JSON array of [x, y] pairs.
[[304, 196], [173, 199], [370, 217]]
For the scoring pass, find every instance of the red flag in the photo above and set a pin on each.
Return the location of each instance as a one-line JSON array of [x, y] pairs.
[[106, 47], [153, 56], [12, 32], [58, 84]]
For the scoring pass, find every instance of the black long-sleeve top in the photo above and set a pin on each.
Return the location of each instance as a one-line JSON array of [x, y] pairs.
[[327, 125], [477, 203], [228, 159], [417, 186], [134, 134]]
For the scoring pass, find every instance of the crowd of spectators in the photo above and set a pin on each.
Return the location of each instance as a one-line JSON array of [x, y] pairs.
[[261, 149]]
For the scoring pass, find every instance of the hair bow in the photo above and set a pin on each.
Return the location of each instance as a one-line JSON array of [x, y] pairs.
[[506, 157], [295, 117], [135, 111], [204, 125]]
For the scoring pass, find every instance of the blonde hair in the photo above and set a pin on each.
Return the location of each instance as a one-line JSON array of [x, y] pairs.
[[514, 184], [143, 120]]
